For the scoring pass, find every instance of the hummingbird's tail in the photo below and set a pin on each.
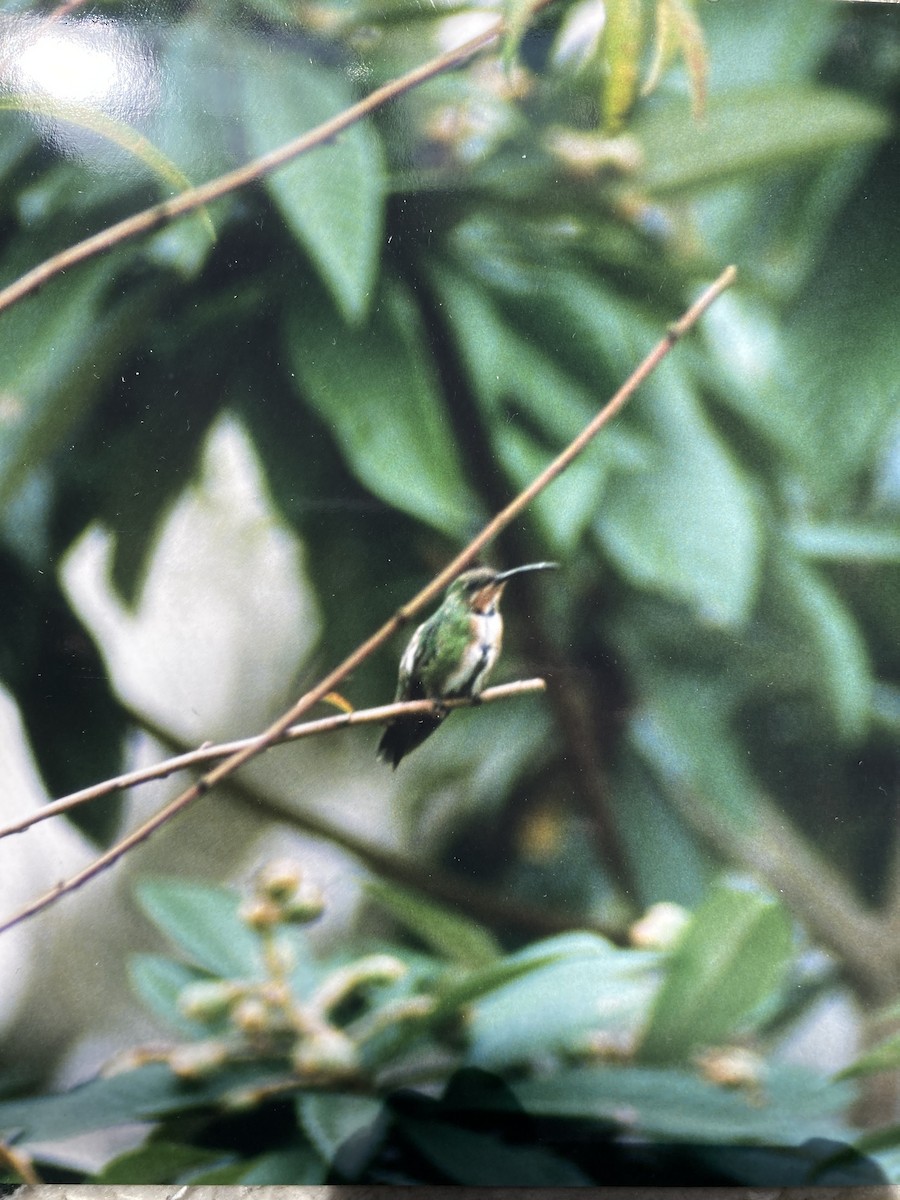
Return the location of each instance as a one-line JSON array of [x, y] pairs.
[[403, 734]]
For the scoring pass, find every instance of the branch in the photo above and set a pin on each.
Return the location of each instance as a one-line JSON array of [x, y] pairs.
[[480, 902], [210, 753], [331, 681], [205, 193]]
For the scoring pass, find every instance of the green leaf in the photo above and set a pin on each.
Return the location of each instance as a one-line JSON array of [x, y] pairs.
[[117, 133], [771, 42], [533, 407], [159, 982], [839, 391], [729, 960], [883, 1057], [480, 1160], [583, 985], [140, 1095], [454, 993], [837, 659], [448, 934], [375, 389], [16, 139], [621, 49], [687, 526], [159, 1162], [330, 1120], [297, 1167], [198, 106], [683, 731], [791, 1105], [677, 28], [204, 922], [847, 542], [750, 131], [332, 197], [51, 368]]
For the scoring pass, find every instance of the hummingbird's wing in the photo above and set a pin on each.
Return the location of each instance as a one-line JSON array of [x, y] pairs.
[[409, 681], [404, 733]]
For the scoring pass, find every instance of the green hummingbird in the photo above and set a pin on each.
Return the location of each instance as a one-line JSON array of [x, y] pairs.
[[450, 655]]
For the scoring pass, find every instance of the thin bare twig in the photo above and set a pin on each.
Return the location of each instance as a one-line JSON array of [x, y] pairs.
[[211, 753], [331, 681]]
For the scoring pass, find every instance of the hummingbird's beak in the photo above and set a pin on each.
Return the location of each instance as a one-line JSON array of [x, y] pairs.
[[542, 566]]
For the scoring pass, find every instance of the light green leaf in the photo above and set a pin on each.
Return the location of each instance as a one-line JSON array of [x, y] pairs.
[[791, 1105], [159, 982], [375, 389], [447, 933], [198, 107], [729, 960], [838, 662], [750, 131], [204, 922], [133, 1096], [883, 1057], [586, 986], [621, 52], [687, 526], [677, 28], [332, 197], [848, 541]]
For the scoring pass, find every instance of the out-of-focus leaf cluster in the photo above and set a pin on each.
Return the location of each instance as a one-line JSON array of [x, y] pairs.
[[437, 1058]]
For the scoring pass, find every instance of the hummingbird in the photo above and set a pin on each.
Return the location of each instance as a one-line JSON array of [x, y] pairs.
[[450, 655]]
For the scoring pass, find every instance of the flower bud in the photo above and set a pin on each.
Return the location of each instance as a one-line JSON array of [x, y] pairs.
[[260, 914], [659, 928], [305, 905], [279, 880], [251, 1016], [326, 1054], [197, 1059], [207, 1000], [731, 1066]]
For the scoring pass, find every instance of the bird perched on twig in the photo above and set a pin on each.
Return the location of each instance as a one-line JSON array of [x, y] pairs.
[[450, 655]]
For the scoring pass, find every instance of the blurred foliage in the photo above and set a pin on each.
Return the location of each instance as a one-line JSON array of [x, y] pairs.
[[409, 323], [455, 1065]]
